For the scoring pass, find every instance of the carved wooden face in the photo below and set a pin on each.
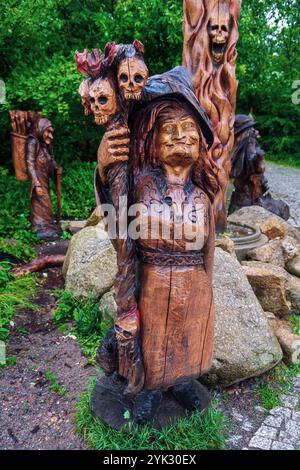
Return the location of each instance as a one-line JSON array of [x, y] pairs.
[[103, 101], [84, 90], [218, 30], [132, 77], [178, 141], [48, 135]]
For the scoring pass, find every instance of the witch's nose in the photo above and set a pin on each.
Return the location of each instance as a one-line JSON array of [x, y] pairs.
[[178, 134]]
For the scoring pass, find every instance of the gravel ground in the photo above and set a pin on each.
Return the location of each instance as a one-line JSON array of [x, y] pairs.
[[284, 183]]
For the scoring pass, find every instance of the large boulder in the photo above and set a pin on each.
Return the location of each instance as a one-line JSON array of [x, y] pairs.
[[271, 252], [90, 264], [245, 345], [263, 219], [276, 289]]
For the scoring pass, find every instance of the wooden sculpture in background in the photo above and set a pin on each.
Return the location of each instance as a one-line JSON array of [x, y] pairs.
[[33, 159], [154, 152], [248, 171], [210, 30]]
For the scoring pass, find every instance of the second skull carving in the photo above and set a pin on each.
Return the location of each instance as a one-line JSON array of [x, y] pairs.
[[219, 30], [103, 100]]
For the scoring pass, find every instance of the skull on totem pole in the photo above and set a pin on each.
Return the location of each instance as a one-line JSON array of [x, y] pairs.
[[219, 30], [133, 72]]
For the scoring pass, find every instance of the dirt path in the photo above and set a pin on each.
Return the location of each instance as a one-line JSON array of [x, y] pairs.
[[284, 183], [31, 415]]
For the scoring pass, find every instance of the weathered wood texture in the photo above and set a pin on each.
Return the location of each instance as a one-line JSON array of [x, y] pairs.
[[210, 31]]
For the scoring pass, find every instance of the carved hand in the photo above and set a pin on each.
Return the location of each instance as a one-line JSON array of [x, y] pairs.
[[114, 148]]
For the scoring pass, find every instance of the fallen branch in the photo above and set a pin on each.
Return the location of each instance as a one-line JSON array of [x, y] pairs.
[[37, 264]]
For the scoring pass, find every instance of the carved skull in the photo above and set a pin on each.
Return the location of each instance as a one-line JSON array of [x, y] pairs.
[[84, 90], [103, 101], [132, 77], [218, 30]]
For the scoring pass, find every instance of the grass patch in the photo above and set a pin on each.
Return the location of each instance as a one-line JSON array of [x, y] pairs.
[[54, 383], [294, 321], [203, 432], [276, 383], [14, 294], [90, 324]]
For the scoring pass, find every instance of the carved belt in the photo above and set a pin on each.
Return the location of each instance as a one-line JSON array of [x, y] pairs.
[[148, 256]]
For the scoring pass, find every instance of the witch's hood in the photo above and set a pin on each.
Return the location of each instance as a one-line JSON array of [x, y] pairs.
[[178, 83]]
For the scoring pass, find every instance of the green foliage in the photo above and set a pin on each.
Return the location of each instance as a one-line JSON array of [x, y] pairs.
[[294, 321], [54, 383], [276, 383], [14, 294], [16, 236], [90, 324], [203, 432], [38, 40]]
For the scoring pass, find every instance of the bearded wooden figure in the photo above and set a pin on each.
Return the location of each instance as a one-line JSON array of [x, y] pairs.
[[33, 159], [163, 335], [248, 171]]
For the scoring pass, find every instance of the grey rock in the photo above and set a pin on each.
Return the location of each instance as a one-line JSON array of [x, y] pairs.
[[245, 345], [90, 264], [289, 401], [281, 411], [108, 303], [293, 266]]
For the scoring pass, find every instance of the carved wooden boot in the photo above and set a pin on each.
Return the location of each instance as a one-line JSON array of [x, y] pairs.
[[191, 395], [146, 404]]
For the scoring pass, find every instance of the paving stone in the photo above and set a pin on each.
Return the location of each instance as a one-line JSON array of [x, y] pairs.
[[297, 382], [277, 445], [289, 401], [293, 428], [280, 411], [259, 442], [287, 438], [267, 431], [274, 421], [296, 416]]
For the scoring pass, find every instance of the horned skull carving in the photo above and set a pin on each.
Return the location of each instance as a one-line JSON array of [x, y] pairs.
[[219, 30], [103, 101], [132, 77]]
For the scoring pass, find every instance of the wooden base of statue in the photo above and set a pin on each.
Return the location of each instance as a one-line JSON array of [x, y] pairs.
[[109, 403]]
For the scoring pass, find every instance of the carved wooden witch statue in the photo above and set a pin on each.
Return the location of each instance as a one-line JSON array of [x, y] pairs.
[[162, 341], [248, 171], [33, 159]]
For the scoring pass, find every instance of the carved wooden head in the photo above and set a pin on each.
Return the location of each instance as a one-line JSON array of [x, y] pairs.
[[103, 100], [219, 30], [132, 77]]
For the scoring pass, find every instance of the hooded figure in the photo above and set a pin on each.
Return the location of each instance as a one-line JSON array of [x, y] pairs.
[[173, 180], [41, 167]]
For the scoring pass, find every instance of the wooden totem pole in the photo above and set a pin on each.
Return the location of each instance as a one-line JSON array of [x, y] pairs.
[[155, 153], [210, 31]]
